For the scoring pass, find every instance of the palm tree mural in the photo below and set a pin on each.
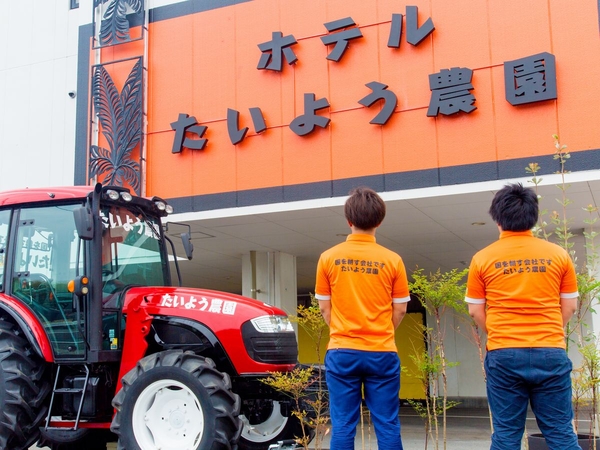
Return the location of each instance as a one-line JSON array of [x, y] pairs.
[[115, 26], [120, 116]]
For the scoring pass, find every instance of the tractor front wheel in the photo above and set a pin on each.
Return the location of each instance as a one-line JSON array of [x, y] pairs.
[[173, 401]]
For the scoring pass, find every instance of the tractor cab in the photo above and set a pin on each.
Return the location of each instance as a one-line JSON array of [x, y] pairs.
[[48, 254]]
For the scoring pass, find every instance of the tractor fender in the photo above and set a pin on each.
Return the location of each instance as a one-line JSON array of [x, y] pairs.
[[170, 332], [30, 325]]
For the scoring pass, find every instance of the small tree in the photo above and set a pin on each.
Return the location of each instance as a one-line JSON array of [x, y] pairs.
[[311, 320], [428, 371], [306, 384], [295, 385], [580, 393], [475, 336], [585, 378], [437, 292]]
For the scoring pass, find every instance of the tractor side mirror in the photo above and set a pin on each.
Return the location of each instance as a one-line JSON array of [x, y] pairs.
[[84, 223], [186, 239]]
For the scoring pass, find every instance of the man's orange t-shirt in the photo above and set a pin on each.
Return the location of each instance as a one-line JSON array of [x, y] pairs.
[[522, 279], [361, 279]]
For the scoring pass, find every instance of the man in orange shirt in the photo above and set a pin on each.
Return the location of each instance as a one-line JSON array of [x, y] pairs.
[[363, 293], [522, 291]]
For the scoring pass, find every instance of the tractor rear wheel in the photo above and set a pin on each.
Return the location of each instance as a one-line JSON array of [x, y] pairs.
[[24, 387], [174, 401], [265, 423]]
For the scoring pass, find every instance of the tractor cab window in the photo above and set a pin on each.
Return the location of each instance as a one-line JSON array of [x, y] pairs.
[[131, 252], [48, 255], [4, 220]]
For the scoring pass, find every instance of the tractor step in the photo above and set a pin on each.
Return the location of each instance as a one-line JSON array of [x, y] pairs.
[[68, 391], [56, 390]]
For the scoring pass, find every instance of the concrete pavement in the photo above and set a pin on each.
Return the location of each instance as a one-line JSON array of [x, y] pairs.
[[467, 429]]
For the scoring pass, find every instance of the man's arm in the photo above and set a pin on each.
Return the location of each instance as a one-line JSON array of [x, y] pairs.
[[477, 312], [325, 307], [398, 313], [568, 306]]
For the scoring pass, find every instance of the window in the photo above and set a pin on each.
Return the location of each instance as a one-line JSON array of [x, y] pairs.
[[4, 221], [48, 255], [74, 4], [131, 252]]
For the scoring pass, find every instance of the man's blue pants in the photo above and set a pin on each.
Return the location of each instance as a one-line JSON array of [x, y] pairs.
[[540, 376], [349, 372]]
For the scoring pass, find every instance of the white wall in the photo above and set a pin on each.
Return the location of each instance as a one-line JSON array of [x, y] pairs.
[[38, 67], [465, 379]]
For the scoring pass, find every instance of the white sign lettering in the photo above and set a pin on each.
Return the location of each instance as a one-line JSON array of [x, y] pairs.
[[212, 305]]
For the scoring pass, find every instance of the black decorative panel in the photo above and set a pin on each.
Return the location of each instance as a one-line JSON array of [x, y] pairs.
[[117, 21], [116, 159]]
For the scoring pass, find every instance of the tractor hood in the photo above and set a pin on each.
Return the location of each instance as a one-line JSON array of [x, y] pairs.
[[239, 323]]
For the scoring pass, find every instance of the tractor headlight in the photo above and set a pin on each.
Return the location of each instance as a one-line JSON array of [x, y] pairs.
[[113, 195], [272, 324]]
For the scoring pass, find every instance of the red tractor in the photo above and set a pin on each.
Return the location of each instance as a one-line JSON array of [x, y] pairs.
[[97, 345]]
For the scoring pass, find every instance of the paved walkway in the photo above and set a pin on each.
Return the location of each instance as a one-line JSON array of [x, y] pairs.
[[467, 429]]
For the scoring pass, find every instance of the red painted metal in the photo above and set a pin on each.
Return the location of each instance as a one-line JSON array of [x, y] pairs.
[[33, 323], [36, 195], [81, 424]]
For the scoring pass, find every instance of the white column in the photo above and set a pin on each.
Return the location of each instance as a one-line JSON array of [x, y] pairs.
[[271, 278]]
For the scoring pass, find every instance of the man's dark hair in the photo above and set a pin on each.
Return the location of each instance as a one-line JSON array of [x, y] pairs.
[[364, 208], [515, 208]]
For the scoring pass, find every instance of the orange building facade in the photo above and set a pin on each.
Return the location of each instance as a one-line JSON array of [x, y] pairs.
[[452, 121]]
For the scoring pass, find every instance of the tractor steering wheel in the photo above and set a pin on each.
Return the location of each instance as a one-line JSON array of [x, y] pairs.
[[41, 290]]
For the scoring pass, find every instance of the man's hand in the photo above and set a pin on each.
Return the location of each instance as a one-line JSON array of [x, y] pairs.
[[398, 313], [568, 307], [325, 307], [477, 312]]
